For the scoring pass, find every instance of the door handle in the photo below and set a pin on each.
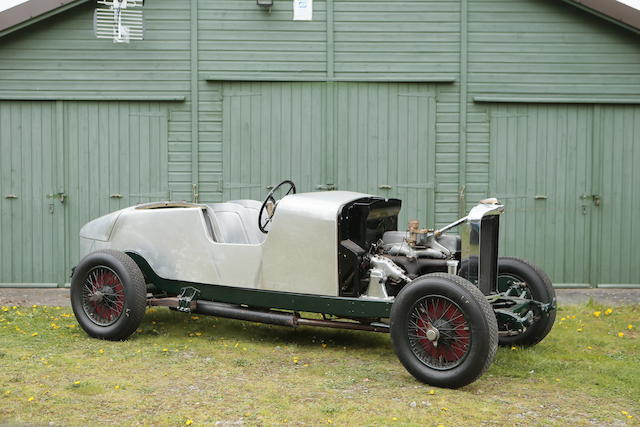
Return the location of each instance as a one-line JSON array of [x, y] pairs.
[[10, 196], [116, 196], [326, 187], [595, 197], [384, 187], [60, 196], [540, 197]]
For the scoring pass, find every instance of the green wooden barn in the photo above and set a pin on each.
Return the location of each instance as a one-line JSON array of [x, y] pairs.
[[438, 102]]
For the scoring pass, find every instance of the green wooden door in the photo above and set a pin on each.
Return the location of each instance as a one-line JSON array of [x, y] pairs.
[[541, 161], [116, 156], [272, 132], [31, 217], [385, 144], [376, 138], [618, 187]]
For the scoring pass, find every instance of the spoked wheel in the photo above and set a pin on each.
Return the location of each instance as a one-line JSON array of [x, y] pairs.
[[529, 282], [103, 296], [108, 295], [439, 333], [443, 330]]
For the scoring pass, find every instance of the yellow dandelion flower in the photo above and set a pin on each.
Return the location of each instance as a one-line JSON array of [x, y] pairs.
[[513, 347], [608, 311], [324, 345], [34, 306], [117, 387], [5, 308], [329, 422], [557, 380], [395, 418], [15, 307], [624, 412], [562, 319], [621, 334], [31, 399], [101, 351], [597, 313], [35, 334], [295, 360], [76, 382], [198, 334], [195, 317], [188, 422], [152, 310], [629, 416], [440, 425], [629, 326], [589, 347], [7, 392], [165, 349], [432, 392], [444, 409], [54, 326], [573, 317], [579, 329], [306, 365]]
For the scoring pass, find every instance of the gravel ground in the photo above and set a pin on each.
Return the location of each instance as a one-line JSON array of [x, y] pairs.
[[60, 297]]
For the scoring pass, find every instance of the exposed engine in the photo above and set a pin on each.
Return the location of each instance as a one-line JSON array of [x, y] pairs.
[[376, 261]]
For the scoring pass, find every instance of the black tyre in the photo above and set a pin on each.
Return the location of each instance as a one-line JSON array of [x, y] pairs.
[[108, 295], [537, 286], [443, 330]]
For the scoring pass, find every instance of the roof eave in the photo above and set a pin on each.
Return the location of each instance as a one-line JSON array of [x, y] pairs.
[[32, 11], [612, 11]]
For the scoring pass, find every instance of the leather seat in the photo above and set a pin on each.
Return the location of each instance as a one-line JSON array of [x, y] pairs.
[[237, 222]]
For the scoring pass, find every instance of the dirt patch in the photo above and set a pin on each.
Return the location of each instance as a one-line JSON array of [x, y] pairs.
[[30, 296]]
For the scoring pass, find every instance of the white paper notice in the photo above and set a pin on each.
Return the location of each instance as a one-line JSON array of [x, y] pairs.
[[302, 10]]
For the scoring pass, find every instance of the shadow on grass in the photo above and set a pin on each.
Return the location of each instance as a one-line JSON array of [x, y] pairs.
[[178, 325]]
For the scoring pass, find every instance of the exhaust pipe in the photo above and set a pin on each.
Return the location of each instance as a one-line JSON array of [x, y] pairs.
[[272, 317]]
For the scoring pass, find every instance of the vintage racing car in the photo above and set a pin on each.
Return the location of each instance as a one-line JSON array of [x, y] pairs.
[[446, 299]]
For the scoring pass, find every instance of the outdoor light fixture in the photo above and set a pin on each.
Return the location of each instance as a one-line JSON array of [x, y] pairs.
[[265, 4]]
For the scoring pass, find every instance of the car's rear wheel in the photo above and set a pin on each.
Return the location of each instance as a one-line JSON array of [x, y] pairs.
[[536, 285], [443, 330], [108, 295]]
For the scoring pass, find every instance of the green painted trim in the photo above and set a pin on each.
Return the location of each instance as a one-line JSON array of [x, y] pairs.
[[95, 97], [195, 120], [572, 285], [41, 17], [330, 42], [357, 78], [619, 285], [29, 285], [603, 16], [462, 124], [595, 217], [337, 306], [555, 100]]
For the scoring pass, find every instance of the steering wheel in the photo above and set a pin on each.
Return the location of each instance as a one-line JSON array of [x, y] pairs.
[[270, 204]]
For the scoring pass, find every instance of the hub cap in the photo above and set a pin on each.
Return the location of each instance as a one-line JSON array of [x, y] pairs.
[[103, 296], [438, 332]]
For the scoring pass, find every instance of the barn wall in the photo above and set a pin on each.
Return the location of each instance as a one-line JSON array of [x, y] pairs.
[[541, 50]]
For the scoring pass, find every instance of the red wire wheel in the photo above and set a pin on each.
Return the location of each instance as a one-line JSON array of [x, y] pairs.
[[439, 332], [103, 296], [443, 330], [108, 295]]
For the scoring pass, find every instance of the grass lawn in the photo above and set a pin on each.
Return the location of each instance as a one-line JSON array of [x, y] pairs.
[[180, 369]]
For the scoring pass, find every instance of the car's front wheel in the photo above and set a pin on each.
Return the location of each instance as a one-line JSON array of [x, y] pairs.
[[108, 295], [443, 330]]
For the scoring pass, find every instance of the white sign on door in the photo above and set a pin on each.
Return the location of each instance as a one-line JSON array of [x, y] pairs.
[[302, 10]]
